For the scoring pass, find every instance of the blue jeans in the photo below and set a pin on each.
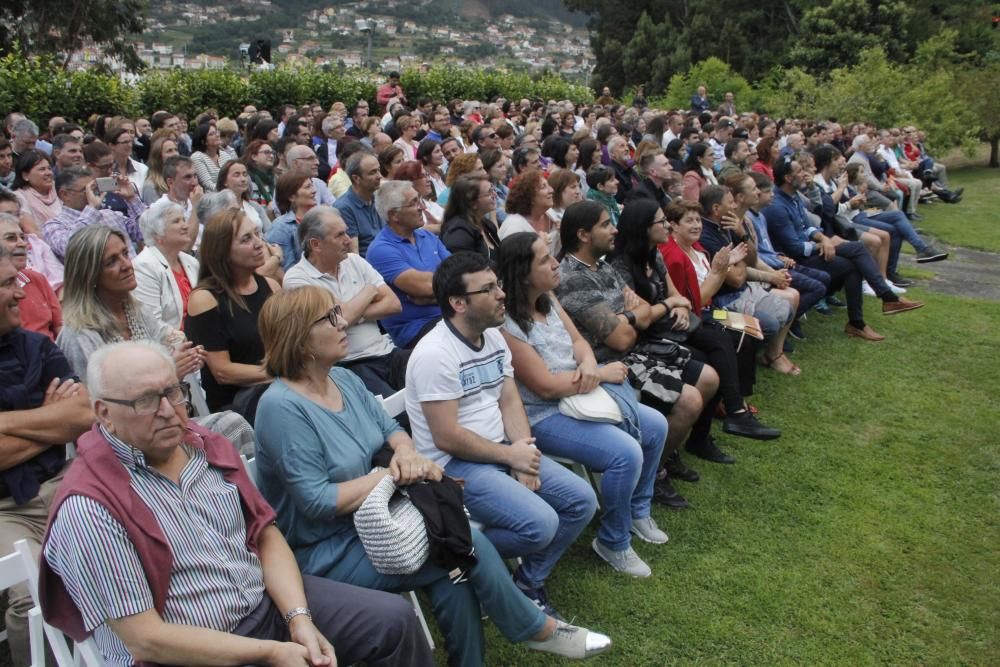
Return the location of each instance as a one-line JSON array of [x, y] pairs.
[[900, 229], [537, 526], [629, 467], [455, 606], [812, 285]]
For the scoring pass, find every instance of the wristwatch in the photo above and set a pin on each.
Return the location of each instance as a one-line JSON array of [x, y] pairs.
[[298, 611], [630, 316]]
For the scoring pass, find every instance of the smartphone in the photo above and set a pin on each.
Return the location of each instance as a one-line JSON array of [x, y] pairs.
[[107, 184]]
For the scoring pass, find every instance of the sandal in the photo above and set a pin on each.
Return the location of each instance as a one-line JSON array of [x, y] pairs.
[[770, 363]]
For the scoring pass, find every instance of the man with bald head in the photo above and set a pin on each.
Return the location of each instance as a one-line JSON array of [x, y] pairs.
[[163, 550], [303, 160]]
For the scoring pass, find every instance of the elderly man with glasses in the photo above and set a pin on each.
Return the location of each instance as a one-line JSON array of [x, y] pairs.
[[162, 549]]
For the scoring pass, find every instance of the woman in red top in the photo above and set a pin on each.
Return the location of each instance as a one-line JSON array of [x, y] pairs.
[[767, 153]]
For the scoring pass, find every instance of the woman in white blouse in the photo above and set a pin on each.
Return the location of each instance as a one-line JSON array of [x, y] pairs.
[[164, 273]]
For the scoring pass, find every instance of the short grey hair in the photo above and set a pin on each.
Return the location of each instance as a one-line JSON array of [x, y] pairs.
[[313, 225], [96, 382], [330, 120], [353, 166], [8, 219], [615, 140], [153, 222], [390, 196], [213, 203], [24, 128]]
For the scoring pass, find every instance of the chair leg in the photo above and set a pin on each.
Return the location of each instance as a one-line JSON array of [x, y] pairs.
[[412, 596]]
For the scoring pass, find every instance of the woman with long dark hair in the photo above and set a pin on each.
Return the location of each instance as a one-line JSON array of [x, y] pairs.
[[699, 171], [641, 230], [467, 225], [551, 361]]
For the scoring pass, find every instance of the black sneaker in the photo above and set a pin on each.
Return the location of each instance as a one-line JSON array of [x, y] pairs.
[[929, 254], [796, 332], [746, 425], [539, 597], [900, 281], [709, 451], [677, 469], [665, 494], [832, 300]]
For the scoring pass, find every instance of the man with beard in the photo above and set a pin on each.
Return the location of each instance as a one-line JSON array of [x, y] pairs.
[[467, 417]]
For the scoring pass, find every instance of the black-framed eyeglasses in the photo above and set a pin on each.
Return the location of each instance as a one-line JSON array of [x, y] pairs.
[[334, 314], [148, 404], [492, 289]]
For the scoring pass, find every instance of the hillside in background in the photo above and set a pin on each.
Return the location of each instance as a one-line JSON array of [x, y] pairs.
[[511, 34]]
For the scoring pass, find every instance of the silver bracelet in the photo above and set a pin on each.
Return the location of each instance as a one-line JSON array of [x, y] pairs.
[[298, 611]]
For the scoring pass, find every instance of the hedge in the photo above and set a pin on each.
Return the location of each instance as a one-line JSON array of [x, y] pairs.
[[41, 88]]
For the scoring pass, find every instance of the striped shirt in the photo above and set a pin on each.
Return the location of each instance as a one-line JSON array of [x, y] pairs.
[[215, 581]]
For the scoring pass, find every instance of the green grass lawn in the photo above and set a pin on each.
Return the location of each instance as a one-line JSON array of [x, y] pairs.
[[973, 221], [867, 534]]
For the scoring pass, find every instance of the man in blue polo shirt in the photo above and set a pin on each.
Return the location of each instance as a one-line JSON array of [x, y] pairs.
[[406, 256], [42, 406], [357, 206]]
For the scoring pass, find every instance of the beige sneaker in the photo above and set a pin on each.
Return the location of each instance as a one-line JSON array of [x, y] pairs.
[[571, 641]]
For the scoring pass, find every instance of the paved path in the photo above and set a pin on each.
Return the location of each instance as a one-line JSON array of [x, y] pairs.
[[969, 273]]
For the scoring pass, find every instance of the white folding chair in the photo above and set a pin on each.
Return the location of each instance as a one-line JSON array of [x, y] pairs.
[[84, 654], [396, 405], [14, 570]]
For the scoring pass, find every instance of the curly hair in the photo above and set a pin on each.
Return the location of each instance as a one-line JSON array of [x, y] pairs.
[[523, 190], [461, 165]]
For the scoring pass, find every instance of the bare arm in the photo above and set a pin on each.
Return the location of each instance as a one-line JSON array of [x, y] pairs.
[[454, 439], [150, 639], [385, 303], [55, 422], [283, 582], [226, 371], [416, 284]]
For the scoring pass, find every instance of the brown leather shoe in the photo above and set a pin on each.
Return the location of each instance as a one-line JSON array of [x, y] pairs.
[[901, 306], [867, 333]]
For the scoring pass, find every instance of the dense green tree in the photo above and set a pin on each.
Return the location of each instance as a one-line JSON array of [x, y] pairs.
[[833, 34], [43, 27], [754, 38]]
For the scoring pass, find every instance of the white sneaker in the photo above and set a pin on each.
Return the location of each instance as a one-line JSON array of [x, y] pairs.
[[571, 641], [896, 289], [626, 561], [647, 531], [867, 289]]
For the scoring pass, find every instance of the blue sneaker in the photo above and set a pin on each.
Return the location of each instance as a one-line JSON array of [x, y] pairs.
[[539, 597], [822, 307]]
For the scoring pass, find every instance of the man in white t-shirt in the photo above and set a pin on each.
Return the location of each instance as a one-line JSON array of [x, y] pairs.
[[467, 416], [359, 290]]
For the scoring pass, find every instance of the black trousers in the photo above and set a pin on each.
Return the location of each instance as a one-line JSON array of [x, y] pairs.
[[849, 266], [373, 627]]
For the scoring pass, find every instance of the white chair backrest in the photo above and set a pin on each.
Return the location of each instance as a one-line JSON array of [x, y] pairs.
[[251, 466], [395, 404], [27, 569]]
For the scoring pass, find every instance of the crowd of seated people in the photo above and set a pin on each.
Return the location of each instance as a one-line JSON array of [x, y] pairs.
[[545, 281]]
